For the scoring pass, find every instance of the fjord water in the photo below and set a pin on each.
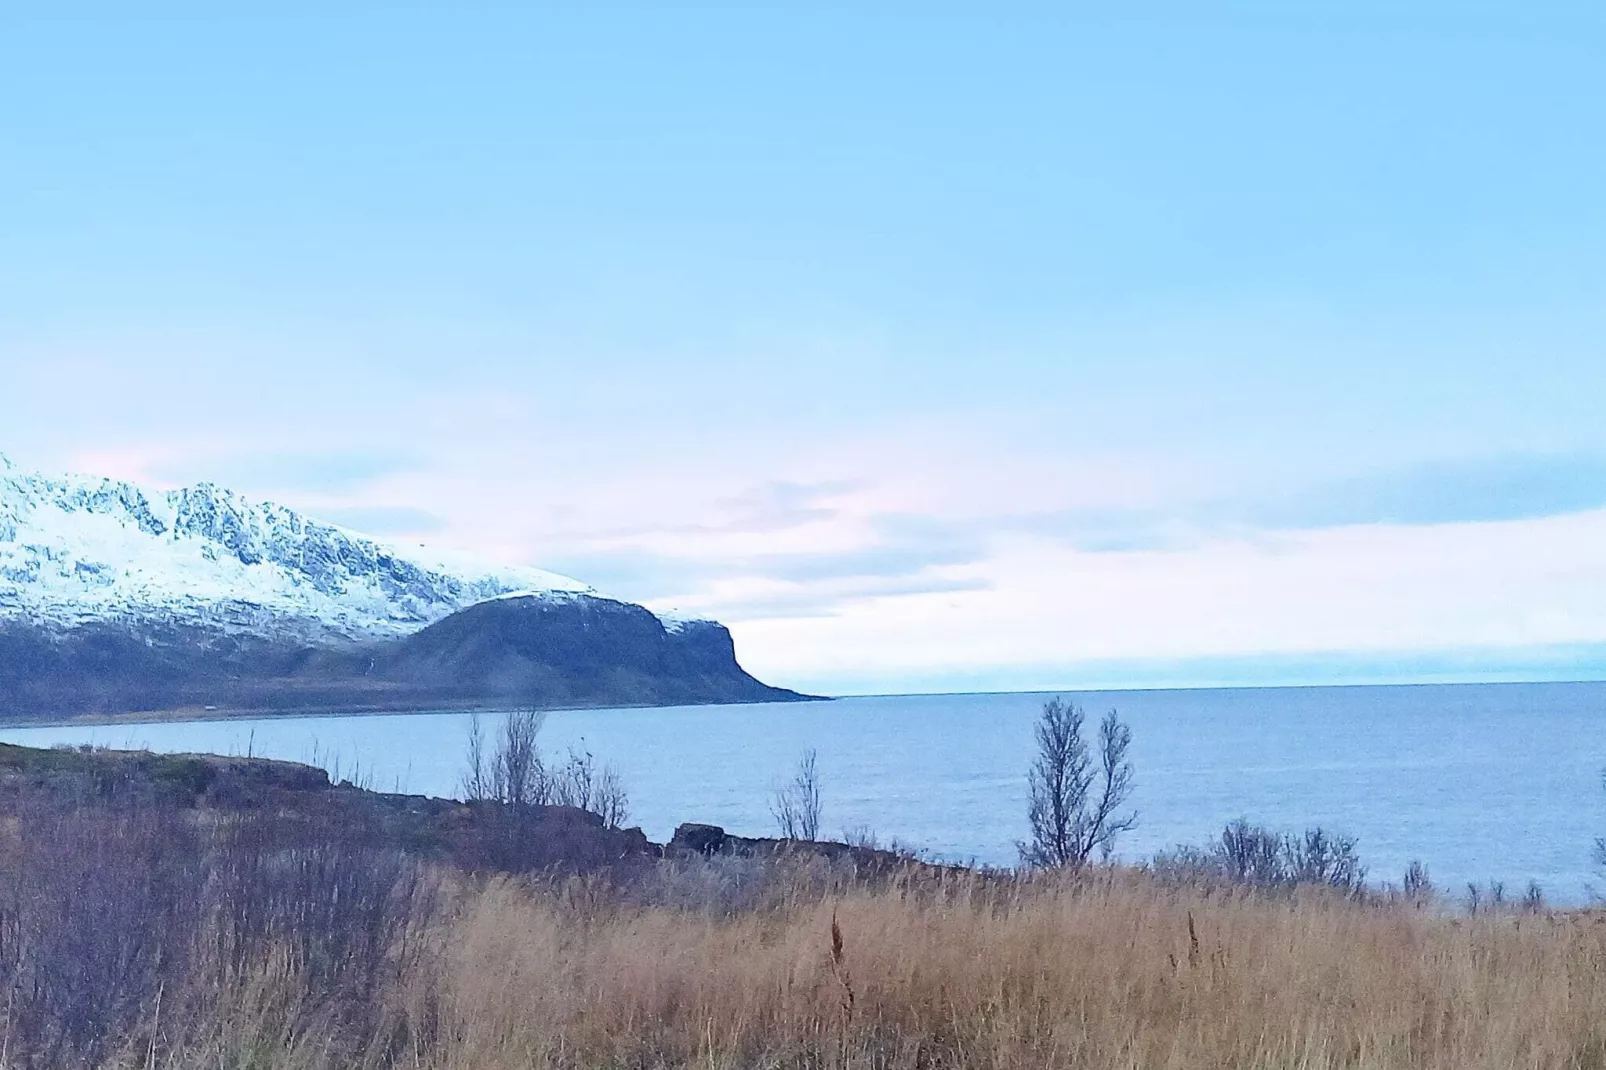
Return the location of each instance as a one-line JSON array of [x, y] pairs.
[[1480, 781]]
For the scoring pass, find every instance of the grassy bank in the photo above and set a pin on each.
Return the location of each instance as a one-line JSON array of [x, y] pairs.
[[203, 913]]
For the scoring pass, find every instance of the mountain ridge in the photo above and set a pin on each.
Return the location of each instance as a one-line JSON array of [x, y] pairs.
[[76, 549], [115, 600]]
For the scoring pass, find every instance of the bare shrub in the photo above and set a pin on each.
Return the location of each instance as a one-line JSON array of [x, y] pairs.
[[861, 836], [1492, 898], [1074, 796], [1250, 854], [864, 838], [1320, 857], [1259, 857], [796, 804], [323, 887], [508, 776], [580, 783], [1416, 884], [140, 924], [98, 908], [1186, 864], [507, 767]]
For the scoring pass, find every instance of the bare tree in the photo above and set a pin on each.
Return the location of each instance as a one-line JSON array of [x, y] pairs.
[[580, 783], [519, 775], [1104, 823], [477, 777], [573, 781], [507, 769], [1075, 797], [1057, 785], [796, 804], [610, 800]]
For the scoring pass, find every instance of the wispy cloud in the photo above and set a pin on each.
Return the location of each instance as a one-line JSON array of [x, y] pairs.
[[781, 504], [1097, 531], [1502, 487], [767, 585], [842, 550], [1465, 491], [872, 561], [831, 600]]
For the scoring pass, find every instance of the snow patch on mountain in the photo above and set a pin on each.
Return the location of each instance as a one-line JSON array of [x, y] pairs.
[[79, 549], [675, 622]]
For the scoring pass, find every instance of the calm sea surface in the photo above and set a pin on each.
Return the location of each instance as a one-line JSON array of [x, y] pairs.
[[1481, 782]]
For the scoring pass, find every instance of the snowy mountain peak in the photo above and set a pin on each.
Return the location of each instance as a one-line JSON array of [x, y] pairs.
[[76, 549]]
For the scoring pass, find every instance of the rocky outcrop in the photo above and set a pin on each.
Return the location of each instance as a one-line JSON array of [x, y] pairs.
[[693, 840]]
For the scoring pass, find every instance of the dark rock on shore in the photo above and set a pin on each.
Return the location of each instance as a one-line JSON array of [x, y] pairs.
[[694, 840]]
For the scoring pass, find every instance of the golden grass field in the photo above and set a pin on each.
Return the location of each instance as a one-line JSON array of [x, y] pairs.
[[1109, 971]]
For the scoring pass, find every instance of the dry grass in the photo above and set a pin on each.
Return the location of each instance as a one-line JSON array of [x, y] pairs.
[[1100, 975], [1114, 972], [135, 936]]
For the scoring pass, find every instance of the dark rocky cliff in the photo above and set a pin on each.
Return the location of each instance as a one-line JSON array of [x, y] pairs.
[[574, 651]]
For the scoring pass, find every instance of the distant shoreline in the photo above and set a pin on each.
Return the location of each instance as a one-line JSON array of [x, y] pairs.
[[203, 715]]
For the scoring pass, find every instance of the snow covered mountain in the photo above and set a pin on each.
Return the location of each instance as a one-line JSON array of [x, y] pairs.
[[79, 550]]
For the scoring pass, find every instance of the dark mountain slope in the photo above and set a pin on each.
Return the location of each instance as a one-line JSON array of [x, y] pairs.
[[577, 650]]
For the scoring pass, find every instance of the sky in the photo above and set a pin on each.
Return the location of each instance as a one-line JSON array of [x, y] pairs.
[[930, 347]]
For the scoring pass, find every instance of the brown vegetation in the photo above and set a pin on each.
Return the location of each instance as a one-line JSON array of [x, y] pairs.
[[1099, 972], [165, 918]]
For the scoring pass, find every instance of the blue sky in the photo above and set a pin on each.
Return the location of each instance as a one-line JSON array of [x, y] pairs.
[[928, 346]]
